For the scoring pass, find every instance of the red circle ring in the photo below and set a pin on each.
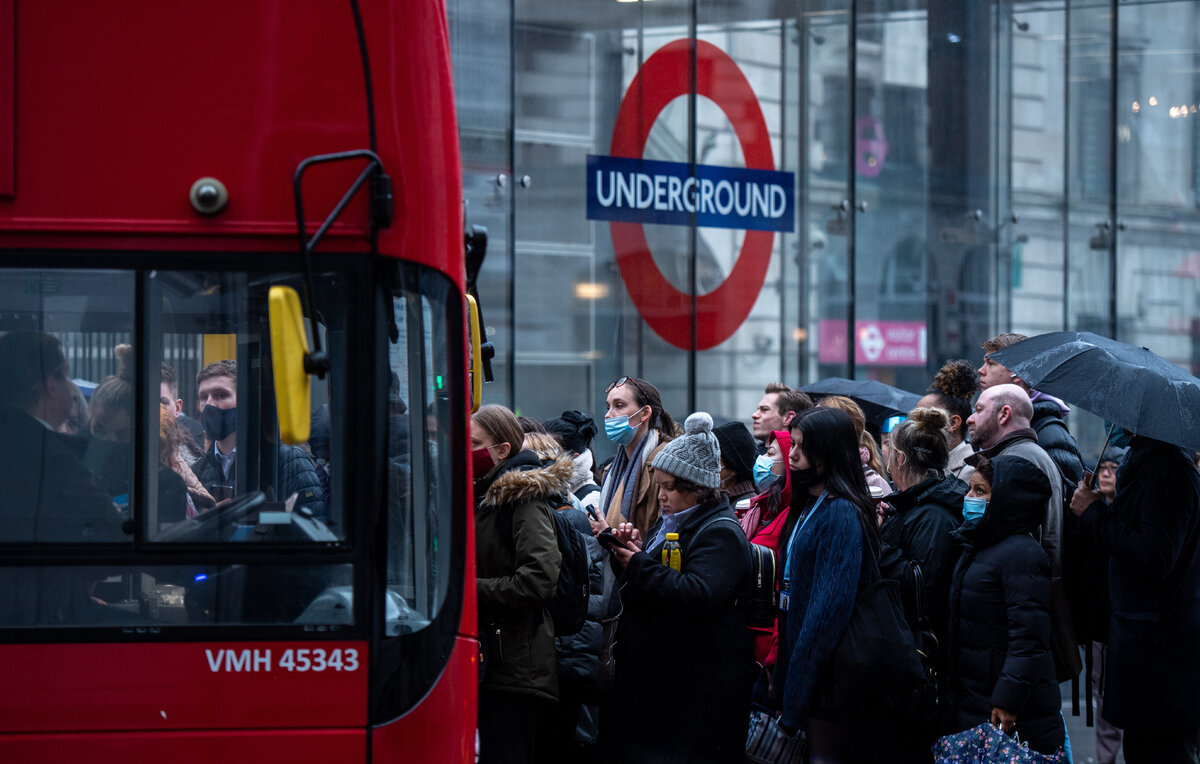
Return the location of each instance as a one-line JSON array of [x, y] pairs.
[[667, 310]]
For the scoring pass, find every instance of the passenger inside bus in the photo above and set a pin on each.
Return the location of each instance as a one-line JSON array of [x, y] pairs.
[[49, 494], [216, 402], [110, 453]]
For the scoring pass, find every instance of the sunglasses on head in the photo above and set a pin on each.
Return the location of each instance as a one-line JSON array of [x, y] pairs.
[[642, 395]]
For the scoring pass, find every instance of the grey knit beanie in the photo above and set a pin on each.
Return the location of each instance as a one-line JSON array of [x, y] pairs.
[[695, 456]]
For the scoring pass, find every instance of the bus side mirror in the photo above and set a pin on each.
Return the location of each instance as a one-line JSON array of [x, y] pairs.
[[289, 346], [476, 354]]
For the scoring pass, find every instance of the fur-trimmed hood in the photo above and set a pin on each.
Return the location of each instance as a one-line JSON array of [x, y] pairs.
[[526, 476]]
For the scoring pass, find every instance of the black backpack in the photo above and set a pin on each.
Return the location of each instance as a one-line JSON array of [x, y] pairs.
[[569, 606]]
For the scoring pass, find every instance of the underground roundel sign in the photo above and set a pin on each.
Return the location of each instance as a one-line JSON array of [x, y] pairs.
[[629, 192]]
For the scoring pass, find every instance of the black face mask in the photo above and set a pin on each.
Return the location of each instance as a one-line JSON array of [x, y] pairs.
[[218, 423], [805, 477], [112, 463]]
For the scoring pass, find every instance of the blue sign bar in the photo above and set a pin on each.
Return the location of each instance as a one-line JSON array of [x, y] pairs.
[[649, 191]]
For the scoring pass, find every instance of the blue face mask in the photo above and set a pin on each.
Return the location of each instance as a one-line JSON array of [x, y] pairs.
[[973, 508], [763, 476], [618, 430]]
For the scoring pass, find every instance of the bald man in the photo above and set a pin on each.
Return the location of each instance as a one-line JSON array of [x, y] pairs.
[[999, 425]]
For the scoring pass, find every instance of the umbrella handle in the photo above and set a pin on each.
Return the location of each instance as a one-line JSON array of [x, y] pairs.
[[1092, 482]]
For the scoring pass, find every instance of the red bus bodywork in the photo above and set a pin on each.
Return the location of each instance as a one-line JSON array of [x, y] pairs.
[[108, 114]]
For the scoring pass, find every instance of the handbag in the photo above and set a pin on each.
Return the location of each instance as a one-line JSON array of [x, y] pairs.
[[766, 743], [876, 664]]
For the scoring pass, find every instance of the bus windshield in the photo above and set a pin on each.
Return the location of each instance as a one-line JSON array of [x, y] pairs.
[[137, 413]]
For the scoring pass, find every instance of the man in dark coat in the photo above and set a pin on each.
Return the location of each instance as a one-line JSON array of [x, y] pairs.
[[1152, 536], [49, 495], [1049, 413], [216, 400]]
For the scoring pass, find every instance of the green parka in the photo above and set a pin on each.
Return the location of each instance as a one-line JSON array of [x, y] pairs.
[[516, 568]]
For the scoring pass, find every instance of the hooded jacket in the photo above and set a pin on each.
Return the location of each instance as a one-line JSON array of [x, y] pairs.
[[921, 520], [1152, 536], [516, 568], [999, 627], [1024, 443], [768, 532]]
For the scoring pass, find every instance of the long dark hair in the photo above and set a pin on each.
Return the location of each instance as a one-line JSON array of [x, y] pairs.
[[830, 443]]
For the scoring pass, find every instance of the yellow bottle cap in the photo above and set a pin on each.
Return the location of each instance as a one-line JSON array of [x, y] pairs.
[[672, 537]]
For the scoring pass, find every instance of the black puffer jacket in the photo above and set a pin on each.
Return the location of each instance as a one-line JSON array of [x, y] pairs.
[[924, 516], [297, 474], [1056, 440], [999, 627]]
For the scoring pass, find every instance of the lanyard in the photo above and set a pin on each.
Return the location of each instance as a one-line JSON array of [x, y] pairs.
[[787, 578]]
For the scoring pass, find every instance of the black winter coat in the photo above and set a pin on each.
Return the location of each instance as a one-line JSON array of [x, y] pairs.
[[999, 651], [1152, 535], [579, 654], [683, 654], [1056, 440], [923, 518], [297, 474]]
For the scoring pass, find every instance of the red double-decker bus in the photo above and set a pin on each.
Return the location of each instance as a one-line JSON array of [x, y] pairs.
[[172, 175]]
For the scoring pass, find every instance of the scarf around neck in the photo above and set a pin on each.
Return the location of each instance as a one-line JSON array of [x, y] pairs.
[[624, 474]]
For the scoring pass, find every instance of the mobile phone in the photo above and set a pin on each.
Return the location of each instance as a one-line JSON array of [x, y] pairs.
[[592, 512], [608, 539]]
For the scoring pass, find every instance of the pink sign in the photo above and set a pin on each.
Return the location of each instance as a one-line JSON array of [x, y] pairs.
[[877, 343]]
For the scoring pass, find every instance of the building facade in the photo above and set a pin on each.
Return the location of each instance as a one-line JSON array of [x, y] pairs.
[[953, 169]]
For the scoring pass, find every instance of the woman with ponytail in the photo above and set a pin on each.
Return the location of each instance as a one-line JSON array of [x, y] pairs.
[[927, 507], [636, 422]]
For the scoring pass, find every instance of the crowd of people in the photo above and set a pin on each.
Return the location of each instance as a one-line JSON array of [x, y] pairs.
[[974, 517]]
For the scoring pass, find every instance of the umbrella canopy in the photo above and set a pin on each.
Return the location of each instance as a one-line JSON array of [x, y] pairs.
[[1140, 391], [878, 401], [986, 744]]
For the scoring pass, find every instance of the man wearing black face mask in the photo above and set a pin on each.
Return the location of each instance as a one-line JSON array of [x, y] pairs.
[[216, 400]]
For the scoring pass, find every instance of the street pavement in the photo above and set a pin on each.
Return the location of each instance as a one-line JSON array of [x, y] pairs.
[[1083, 737]]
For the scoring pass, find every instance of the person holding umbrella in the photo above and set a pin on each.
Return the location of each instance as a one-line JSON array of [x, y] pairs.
[[1151, 533]]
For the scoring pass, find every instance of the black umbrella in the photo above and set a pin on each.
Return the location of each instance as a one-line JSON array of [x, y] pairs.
[[1128, 385], [878, 401]]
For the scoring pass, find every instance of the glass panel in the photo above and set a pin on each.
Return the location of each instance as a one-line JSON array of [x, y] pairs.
[[1035, 80], [481, 50], [420, 490], [220, 472], [177, 595], [890, 159], [731, 374], [825, 111], [67, 476]]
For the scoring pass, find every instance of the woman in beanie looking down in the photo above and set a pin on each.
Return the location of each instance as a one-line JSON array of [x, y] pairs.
[[683, 653]]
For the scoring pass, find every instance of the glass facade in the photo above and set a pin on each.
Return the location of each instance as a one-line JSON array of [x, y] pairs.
[[957, 170]]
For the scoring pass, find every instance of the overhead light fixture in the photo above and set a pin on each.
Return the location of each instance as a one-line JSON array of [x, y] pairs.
[[591, 290]]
